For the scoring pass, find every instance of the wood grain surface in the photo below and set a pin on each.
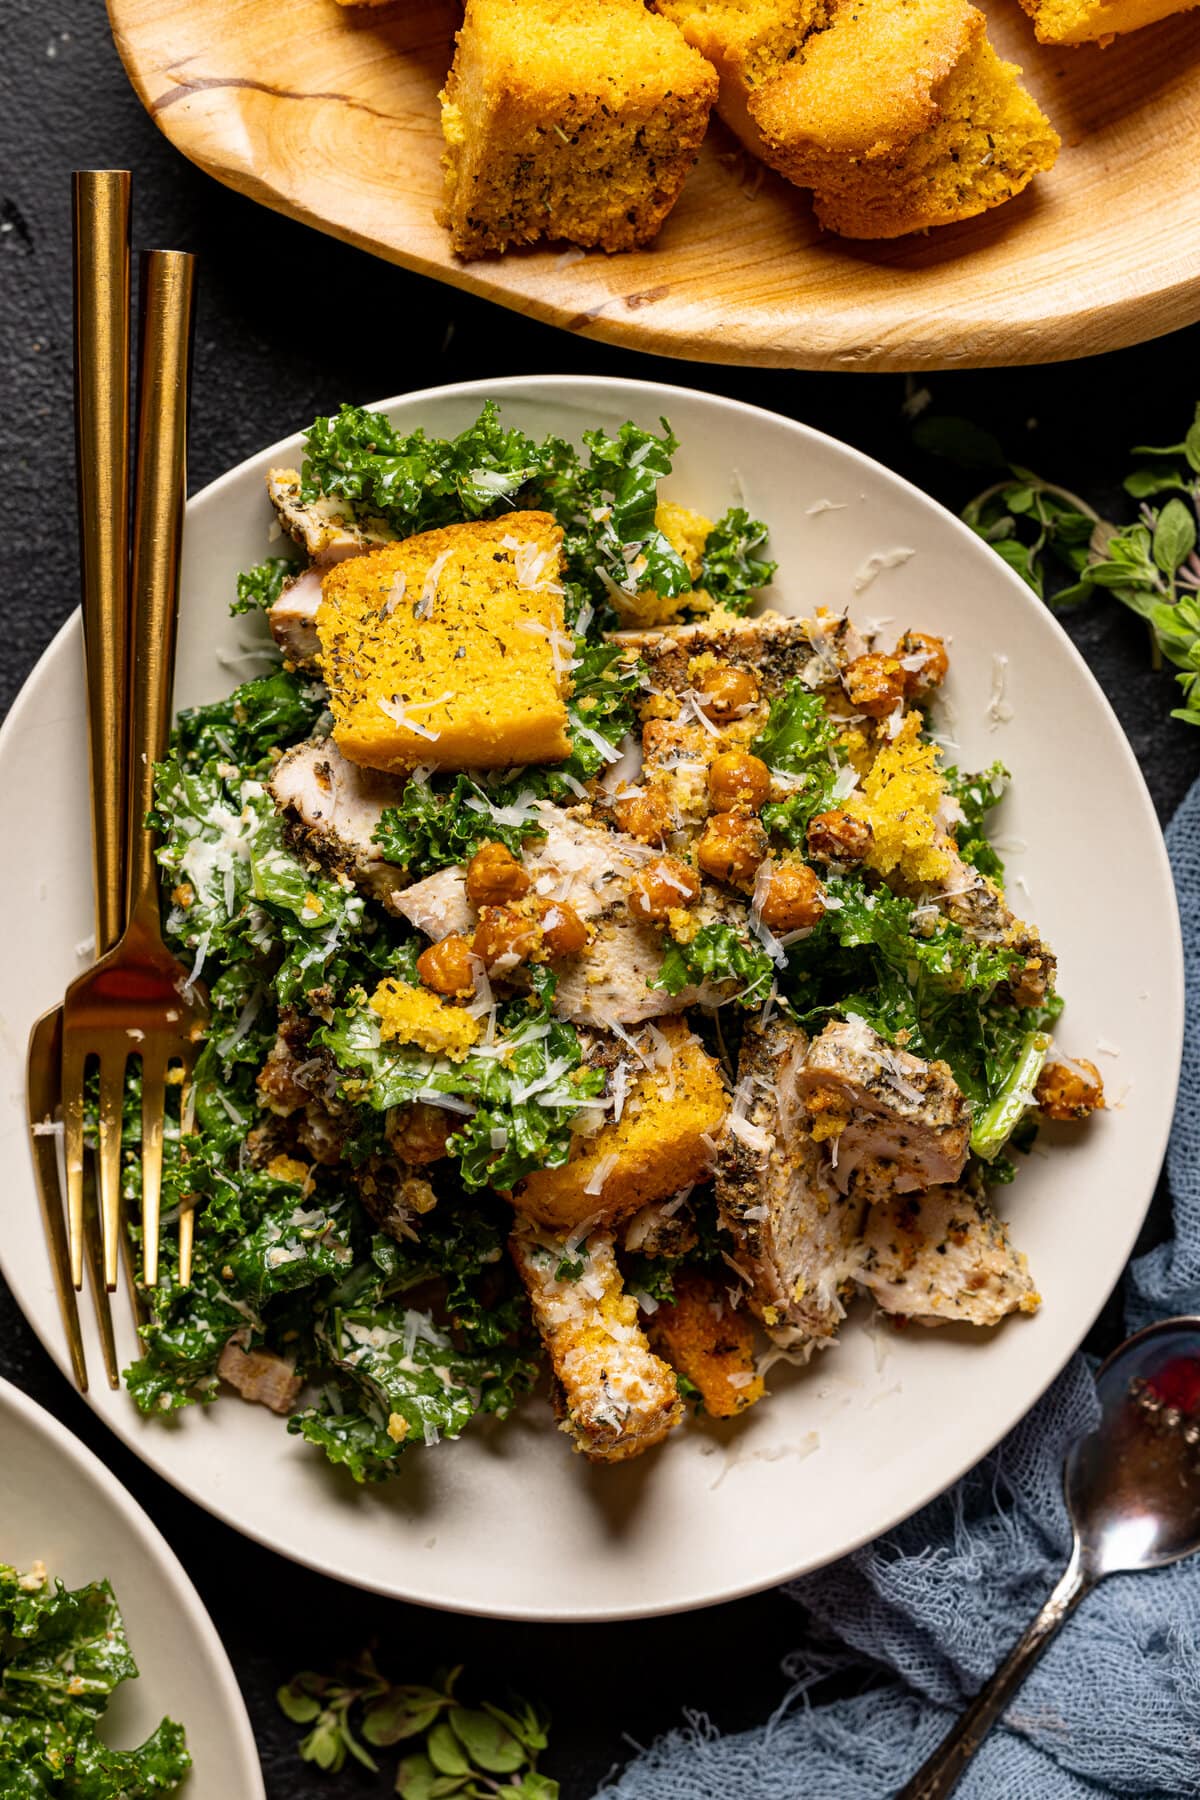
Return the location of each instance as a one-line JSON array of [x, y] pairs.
[[331, 115]]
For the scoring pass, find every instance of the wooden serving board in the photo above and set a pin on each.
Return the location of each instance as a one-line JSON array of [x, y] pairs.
[[331, 116]]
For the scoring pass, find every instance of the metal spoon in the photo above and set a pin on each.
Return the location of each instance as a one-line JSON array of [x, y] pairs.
[[1133, 1493]]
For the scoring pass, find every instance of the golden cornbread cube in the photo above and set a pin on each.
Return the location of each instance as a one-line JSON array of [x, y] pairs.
[[571, 119], [747, 42], [901, 116], [449, 648], [663, 1141], [614, 1397], [1096, 21], [704, 1338]]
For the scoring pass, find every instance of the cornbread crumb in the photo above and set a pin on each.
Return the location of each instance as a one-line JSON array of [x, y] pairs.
[[409, 1015], [449, 648], [571, 119], [614, 1397], [900, 797], [1096, 21], [702, 1337], [662, 1142]]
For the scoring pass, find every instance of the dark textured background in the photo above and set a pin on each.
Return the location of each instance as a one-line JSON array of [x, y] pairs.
[[291, 324]]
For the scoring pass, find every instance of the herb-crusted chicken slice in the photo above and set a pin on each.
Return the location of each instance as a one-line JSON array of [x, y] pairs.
[[259, 1375], [591, 869], [614, 1397], [326, 528], [774, 647], [292, 618], [796, 1233], [892, 1122], [976, 904], [944, 1256], [334, 807]]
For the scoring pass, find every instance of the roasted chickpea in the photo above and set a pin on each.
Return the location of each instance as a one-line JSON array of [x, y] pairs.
[[660, 887], [446, 967], [724, 692], [1069, 1090], [731, 847], [418, 1133], [793, 899], [932, 670], [645, 814], [505, 937], [739, 781], [494, 875], [838, 837], [563, 931], [874, 684]]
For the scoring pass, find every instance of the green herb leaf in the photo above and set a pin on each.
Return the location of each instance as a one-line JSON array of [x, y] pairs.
[[1174, 536]]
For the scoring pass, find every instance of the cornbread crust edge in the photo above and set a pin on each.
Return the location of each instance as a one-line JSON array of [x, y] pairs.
[[614, 1397], [664, 1146], [593, 152], [1097, 21], [441, 649]]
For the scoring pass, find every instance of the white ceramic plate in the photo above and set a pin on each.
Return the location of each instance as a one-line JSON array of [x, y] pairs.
[[59, 1505], [508, 1521]]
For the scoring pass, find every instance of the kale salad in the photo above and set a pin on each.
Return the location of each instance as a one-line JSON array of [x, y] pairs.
[[63, 1654], [609, 976]]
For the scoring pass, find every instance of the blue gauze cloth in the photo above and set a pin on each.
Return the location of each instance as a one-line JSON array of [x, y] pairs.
[[926, 1614]]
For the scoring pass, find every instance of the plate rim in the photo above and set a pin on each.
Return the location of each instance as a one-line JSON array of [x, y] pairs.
[[149, 1538], [146, 1448]]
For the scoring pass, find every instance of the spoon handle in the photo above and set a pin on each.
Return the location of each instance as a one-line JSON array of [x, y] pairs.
[[939, 1776]]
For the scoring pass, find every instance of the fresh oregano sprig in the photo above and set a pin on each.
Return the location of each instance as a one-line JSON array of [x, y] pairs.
[[484, 1752], [1065, 551]]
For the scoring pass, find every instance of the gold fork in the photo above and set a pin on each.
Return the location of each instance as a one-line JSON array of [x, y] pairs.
[[101, 257], [138, 1000]]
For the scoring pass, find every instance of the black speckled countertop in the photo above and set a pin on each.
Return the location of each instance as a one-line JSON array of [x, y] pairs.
[[290, 324]]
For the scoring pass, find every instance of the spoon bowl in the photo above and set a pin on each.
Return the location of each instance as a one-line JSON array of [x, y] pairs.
[[1133, 1493]]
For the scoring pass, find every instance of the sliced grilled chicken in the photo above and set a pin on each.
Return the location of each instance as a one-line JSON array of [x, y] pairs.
[[590, 867], [943, 1256], [327, 529], [260, 1376], [796, 1233], [293, 620], [775, 648], [334, 807], [614, 1397], [892, 1123]]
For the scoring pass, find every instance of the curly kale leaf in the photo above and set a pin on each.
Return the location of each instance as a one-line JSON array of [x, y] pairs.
[[414, 482], [260, 587], [256, 719], [628, 546], [516, 1107], [729, 570], [63, 1653], [445, 819], [717, 953], [798, 741], [977, 795]]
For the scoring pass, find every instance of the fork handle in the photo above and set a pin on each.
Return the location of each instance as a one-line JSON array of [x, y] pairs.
[[101, 229], [160, 489], [941, 1773]]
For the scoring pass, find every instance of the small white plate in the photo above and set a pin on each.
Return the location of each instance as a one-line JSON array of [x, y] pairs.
[[507, 1521], [59, 1505]]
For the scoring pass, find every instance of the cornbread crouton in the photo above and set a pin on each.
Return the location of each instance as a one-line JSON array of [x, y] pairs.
[[944, 1256], [901, 116], [449, 648], [614, 1397], [573, 119], [702, 1337], [1096, 21], [662, 1141]]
